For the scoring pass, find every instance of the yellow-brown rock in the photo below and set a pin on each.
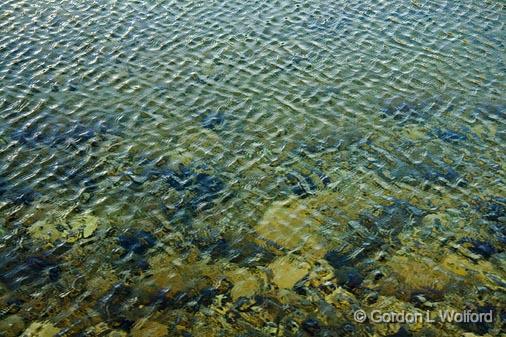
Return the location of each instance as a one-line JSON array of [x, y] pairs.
[[41, 329], [417, 273], [245, 283], [293, 225], [288, 270], [143, 328]]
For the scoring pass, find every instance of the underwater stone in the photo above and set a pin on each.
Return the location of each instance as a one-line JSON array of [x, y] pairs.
[[110, 306], [402, 332], [378, 275], [433, 173], [178, 180], [301, 186], [25, 196], [495, 209], [178, 301], [184, 299], [207, 184], [483, 248], [203, 187], [144, 328], [251, 254], [245, 283], [349, 277], [243, 253], [41, 329], [138, 242], [404, 112], [372, 297], [311, 326], [293, 224], [420, 276], [212, 120], [77, 132], [336, 259], [12, 326], [287, 271], [18, 195], [79, 226], [450, 136], [18, 271], [394, 218], [206, 296]]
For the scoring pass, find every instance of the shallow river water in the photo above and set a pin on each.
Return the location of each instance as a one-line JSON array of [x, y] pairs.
[[252, 168]]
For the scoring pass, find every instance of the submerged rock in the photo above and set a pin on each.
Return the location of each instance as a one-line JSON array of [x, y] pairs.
[[293, 225], [288, 270], [245, 283], [338, 258], [137, 242], [144, 327], [12, 326], [206, 188], [450, 136], [23, 196], [213, 120], [199, 189], [349, 277], [16, 194], [75, 132], [418, 276], [432, 172], [393, 218], [19, 270], [405, 112], [301, 185], [113, 305], [41, 329], [495, 209], [55, 226], [402, 332], [312, 326], [481, 327], [483, 248], [244, 253]]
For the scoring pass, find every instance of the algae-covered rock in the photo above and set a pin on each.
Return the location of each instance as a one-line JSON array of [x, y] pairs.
[[416, 273], [245, 283], [328, 220], [288, 270], [176, 274], [144, 327], [41, 329], [82, 226], [342, 300], [480, 272], [292, 224], [102, 281], [56, 226], [117, 333], [165, 273], [201, 143], [12, 326]]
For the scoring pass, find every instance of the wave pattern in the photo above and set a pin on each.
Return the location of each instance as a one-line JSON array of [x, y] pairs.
[[152, 151]]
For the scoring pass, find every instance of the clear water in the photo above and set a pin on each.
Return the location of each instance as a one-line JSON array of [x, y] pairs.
[[258, 168]]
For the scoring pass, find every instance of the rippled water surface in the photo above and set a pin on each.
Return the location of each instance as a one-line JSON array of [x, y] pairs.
[[251, 168]]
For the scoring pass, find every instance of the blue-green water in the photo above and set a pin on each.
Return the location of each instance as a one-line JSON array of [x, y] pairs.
[[266, 168]]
